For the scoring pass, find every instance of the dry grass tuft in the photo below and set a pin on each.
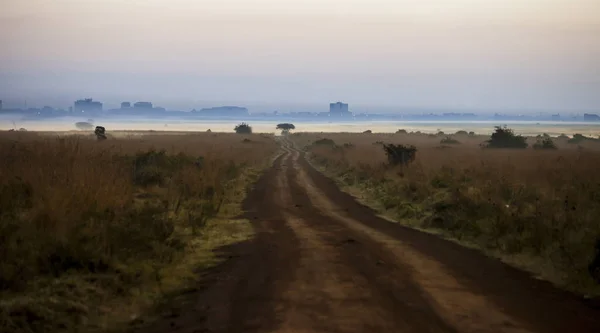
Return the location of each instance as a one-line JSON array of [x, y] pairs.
[[83, 223]]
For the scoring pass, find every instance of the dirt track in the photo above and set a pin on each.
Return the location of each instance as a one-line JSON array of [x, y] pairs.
[[323, 263]]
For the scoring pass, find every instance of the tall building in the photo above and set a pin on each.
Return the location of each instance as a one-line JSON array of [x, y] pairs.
[[86, 106], [142, 105], [338, 109]]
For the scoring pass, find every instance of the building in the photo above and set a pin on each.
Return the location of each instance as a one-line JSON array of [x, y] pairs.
[[125, 105], [223, 111], [142, 105], [338, 109], [591, 117], [87, 106]]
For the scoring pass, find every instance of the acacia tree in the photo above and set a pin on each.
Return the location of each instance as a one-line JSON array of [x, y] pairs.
[[285, 128]]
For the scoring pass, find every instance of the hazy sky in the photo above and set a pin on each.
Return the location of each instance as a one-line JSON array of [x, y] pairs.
[[474, 54]]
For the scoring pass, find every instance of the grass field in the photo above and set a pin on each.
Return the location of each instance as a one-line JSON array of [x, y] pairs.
[[94, 234], [537, 209]]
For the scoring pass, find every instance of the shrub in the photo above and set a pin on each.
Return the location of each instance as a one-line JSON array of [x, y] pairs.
[[243, 128], [504, 137], [449, 141], [401, 131], [546, 143], [325, 142], [579, 138], [100, 133], [462, 133], [472, 133], [400, 154], [368, 132]]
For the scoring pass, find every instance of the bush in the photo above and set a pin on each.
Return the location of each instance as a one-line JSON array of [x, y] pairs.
[[401, 131], [243, 128], [579, 138], [400, 154], [546, 143], [504, 137], [100, 133], [462, 133], [449, 141], [325, 142], [368, 132]]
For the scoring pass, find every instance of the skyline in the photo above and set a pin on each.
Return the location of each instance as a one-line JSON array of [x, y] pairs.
[[465, 54]]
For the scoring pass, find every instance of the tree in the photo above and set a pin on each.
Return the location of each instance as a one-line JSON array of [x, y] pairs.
[[285, 128], [504, 137], [400, 154], [83, 125], [100, 133], [243, 128]]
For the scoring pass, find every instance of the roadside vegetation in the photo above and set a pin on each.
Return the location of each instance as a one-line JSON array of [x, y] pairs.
[[536, 208], [93, 234]]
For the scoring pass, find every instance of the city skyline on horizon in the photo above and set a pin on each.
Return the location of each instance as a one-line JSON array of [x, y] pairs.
[[292, 107], [463, 54]]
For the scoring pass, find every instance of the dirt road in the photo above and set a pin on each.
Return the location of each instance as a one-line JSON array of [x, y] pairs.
[[321, 262]]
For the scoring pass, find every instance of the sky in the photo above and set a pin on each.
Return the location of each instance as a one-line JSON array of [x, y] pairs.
[[535, 55]]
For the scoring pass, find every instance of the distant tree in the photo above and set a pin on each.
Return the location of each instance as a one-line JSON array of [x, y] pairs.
[[243, 128], [401, 131], [504, 137], [285, 128], [83, 125], [462, 133], [472, 133], [368, 132]]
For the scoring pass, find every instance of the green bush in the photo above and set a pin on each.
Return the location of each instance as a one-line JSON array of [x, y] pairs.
[[504, 137], [243, 128], [325, 142], [400, 154], [579, 138], [545, 143], [449, 141]]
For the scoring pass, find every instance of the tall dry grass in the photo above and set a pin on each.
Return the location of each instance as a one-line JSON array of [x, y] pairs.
[[85, 221], [537, 209]]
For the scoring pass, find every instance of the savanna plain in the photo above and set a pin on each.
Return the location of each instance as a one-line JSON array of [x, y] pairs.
[[302, 232]]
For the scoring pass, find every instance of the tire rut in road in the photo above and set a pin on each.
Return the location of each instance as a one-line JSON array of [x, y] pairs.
[[530, 302], [389, 302]]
